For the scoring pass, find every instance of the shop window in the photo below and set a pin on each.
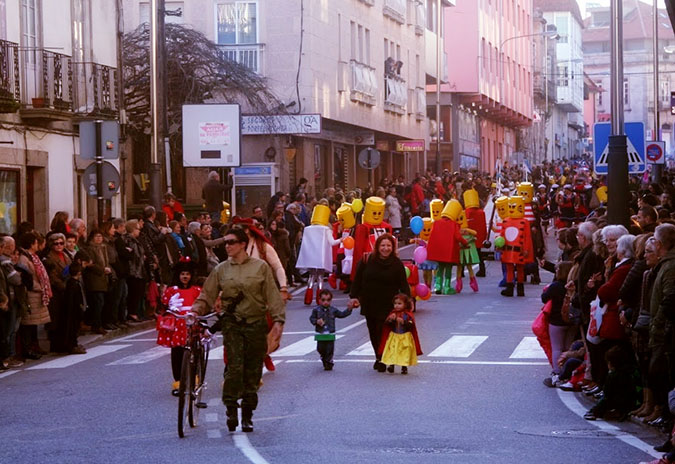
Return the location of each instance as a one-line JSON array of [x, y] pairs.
[[9, 201]]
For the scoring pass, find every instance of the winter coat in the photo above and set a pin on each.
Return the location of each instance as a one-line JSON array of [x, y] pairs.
[[664, 285], [328, 315], [56, 269], [136, 260], [630, 291], [36, 312], [376, 282], [95, 278], [282, 245], [555, 292]]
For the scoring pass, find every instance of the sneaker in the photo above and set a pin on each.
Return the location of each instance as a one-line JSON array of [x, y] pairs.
[[550, 381], [567, 386], [13, 362]]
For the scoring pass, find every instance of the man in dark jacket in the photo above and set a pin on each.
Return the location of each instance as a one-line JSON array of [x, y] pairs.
[[589, 265], [152, 240], [213, 195]]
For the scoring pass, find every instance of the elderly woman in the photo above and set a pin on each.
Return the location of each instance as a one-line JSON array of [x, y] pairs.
[[38, 295], [379, 277], [56, 263]]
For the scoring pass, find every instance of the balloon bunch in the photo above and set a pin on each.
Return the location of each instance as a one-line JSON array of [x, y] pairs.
[[421, 290]]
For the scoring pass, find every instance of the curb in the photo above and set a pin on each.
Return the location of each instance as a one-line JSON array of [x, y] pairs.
[[90, 340]]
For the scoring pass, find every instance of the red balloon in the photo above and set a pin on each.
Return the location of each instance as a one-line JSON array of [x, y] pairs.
[[348, 243]]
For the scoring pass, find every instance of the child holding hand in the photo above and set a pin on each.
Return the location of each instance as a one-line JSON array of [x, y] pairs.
[[323, 318], [400, 345]]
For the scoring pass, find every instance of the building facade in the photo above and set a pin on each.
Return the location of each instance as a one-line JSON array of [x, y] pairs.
[[638, 85], [360, 65], [489, 94], [54, 72]]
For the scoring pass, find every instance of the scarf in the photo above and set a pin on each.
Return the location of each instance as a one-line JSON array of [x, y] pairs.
[[43, 278]]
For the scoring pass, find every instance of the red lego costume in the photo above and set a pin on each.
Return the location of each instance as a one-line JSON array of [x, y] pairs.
[[516, 252], [444, 242], [475, 218], [364, 240]]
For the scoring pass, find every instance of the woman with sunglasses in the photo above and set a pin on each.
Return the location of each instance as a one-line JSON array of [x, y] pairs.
[[248, 281], [56, 262]]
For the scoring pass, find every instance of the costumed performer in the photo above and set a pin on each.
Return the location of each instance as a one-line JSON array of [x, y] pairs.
[[400, 343], [443, 246], [516, 251], [475, 217], [468, 255], [372, 227], [343, 256]]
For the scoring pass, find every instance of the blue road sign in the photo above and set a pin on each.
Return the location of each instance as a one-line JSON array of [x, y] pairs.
[[635, 132]]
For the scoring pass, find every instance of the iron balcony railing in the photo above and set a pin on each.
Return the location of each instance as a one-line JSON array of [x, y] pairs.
[[249, 55], [10, 83]]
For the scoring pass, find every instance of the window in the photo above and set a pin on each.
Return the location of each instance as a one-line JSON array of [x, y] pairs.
[[360, 46], [80, 32], [144, 12], [665, 91], [563, 76], [353, 44], [237, 22], [562, 24], [29, 29], [626, 94], [366, 46]]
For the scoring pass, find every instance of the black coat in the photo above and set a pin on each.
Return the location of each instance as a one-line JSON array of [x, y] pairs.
[[376, 282]]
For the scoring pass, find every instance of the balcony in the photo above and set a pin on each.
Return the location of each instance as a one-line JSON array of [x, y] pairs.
[[10, 88], [363, 83], [249, 55], [56, 88], [396, 10], [395, 94]]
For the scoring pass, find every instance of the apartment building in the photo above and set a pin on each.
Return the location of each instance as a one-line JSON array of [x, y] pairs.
[[638, 85], [489, 95], [359, 65], [54, 72]]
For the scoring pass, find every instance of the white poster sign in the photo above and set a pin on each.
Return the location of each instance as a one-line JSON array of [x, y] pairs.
[[214, 133], [211, 135]]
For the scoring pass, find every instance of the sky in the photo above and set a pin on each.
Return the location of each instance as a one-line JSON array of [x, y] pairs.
[[583, 3]]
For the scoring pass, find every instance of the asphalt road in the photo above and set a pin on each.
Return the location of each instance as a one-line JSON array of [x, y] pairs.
[[476, 396]]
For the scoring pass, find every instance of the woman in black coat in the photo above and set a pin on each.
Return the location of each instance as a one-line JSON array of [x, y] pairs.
[[379, 277]]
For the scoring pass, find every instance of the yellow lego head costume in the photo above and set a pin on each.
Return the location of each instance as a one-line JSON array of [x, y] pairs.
[[601, 193], [462, 220], [517, 207], [452, 210], [526, 190], [436, 207], [320, 215], [471, 199], [374, 211], [502, 205], [345, 214], [426, 228]]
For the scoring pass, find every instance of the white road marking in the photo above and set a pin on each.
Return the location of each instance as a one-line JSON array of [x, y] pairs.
[[242, 443], [300, 348], [8, 373], [434, 361], [72, 359], [214, 433], [144, 357], [133, 335], [458, 346], [528, 348], [350, 327], [570, 400], [364, 350]]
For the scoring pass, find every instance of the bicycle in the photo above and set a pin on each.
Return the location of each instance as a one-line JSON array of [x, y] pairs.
[[193, 369]]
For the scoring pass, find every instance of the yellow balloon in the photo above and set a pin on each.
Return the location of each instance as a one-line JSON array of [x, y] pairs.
[[357, 205]]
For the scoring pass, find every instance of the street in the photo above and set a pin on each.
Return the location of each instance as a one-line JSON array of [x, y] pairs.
[[476, 396]]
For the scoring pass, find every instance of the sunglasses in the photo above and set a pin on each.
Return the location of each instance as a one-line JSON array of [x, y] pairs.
[[231, 242]]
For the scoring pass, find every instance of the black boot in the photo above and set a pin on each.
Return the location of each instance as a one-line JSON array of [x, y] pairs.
[[521, 289], [232, 419], [508, 291], [246, 422]]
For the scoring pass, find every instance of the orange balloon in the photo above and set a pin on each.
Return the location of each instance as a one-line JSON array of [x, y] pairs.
[[426, 297], [348, 243]]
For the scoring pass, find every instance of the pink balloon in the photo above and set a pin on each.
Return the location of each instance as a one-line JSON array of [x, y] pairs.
[[420, 254], [421, 290]]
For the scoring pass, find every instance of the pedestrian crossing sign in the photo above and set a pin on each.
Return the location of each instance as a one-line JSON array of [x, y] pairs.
[[635, 140]]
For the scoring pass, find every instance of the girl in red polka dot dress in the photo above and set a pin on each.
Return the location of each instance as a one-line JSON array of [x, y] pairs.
[[171, 331]]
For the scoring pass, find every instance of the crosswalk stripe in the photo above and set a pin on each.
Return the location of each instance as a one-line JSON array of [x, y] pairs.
[[144, 357], [364, 350], [528, 348], [300, 348], [67, 361], [458, 346]]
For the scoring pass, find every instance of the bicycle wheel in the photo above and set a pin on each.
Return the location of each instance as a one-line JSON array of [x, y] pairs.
[[184, 393], [196, 387]]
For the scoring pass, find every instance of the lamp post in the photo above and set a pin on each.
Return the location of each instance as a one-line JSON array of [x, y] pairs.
[[657, 168]]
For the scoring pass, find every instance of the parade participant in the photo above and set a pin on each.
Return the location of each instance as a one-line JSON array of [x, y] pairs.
[[468, 255], [566, 200], [443, 246], [475, 217], [436, 208], [244, 327], [316, 253], [171, 331], [343, 256], [518, 245], [400, 344], [373, 226], [323, 319], [428, 267], [542, 208], [379, 277], [526, 191]]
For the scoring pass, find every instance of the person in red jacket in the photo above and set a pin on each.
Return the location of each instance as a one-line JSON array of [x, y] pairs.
[[171, 206], [417, 195]]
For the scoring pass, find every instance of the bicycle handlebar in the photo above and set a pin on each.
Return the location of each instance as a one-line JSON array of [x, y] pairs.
[[190, 314]]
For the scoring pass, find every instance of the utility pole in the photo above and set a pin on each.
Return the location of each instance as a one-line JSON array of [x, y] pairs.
[[156, 99], [657, 169], [617, 174]]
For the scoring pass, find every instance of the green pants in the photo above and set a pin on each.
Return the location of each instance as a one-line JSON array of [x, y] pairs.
[[246, 346]]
